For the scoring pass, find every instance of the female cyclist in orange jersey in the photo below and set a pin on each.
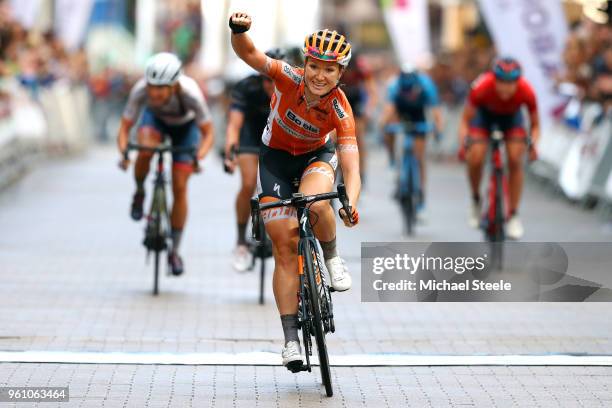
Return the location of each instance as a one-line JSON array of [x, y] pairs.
[[298, 155]]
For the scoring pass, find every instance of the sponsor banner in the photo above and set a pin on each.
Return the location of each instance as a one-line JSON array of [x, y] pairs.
[[407, 25], [582, 161], [71, 18], [486, 272], [534, 32]]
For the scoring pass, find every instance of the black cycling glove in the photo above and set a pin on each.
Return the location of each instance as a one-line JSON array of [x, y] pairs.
[[236, 28]]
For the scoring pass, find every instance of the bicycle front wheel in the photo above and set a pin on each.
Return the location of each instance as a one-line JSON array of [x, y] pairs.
[[313, 272], [407, 196]]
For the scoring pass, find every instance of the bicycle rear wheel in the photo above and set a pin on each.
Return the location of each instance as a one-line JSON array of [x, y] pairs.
[[312, 270]]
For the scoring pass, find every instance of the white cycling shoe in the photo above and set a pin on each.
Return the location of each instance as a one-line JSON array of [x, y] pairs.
[[292, 355], [475, 214], [241, 258], [514, 228], [338, 274]]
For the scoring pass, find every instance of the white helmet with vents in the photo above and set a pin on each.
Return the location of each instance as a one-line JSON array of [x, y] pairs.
[[163, 69]]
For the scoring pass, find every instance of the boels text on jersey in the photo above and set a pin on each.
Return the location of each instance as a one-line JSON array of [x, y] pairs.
[[301, 122]]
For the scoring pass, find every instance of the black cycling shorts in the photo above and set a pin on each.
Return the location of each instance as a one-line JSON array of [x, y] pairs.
[[250, 139], [280, 172]]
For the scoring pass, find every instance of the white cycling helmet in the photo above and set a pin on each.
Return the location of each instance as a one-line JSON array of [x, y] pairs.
[[409, 68], [163, 69]]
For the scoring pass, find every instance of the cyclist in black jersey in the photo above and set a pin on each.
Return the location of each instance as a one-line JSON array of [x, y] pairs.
[[248, 114]]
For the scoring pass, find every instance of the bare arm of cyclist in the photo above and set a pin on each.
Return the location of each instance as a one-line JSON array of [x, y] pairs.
[[349, 163], [464, 126], [388, 114], [348, 153], [208, 137], [243, 45], [438, 119], [122, 140], [535, 135], [372, 91], [235, 122]]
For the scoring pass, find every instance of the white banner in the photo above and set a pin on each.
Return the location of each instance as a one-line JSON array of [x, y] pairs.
[[534, 32], [71, 19], [25, 11], [145, 30], [408, 26]]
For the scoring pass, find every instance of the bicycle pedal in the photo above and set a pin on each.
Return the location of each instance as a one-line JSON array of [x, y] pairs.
[[296, 366]]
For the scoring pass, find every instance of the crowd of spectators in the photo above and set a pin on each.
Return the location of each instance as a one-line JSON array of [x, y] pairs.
[[36, 59], [588, 61]]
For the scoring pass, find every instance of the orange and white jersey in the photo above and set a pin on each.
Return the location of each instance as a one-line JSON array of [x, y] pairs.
[[298, 129]]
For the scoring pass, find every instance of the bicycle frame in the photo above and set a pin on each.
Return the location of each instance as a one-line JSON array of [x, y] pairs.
[[494, 217], [496, 212]]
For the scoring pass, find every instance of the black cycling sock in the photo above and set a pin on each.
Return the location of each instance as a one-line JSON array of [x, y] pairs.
[[476, 198], [329, 249], [290, 327], [177, 234], [242, 234], [140, 186]]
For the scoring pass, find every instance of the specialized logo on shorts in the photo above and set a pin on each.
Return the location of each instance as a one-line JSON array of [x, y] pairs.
[[277, 189], [334, 162], [339, 111], [291, 74], [302, 123]]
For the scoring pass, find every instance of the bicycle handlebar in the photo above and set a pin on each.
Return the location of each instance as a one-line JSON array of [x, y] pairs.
[[163, 149], [299, 199]]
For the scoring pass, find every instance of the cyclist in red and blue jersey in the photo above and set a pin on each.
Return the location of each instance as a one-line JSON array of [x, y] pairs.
[[496, 100]]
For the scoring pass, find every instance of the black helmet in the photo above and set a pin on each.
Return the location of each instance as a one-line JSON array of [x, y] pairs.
[[276, 53]]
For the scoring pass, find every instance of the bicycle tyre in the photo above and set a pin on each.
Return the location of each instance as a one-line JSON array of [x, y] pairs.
[[495, 229], [317, 321], [407, 199], [157, 255], [262, 279], [159, 206], [304, 320]]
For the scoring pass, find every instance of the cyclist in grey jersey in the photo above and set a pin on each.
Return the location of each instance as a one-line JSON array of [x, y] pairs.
[[183, 106], [169, 104]]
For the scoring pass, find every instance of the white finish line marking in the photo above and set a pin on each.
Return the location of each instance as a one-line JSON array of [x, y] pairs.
[[261, 358]]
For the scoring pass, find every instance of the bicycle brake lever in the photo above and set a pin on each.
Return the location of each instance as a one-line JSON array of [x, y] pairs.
[[232, 156], [342, 196]]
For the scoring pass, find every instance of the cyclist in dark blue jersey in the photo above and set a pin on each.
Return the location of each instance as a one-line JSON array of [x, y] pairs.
[[247, 118], [408, 99]]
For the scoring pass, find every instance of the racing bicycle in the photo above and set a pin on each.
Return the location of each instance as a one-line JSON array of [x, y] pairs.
[[157, 230], [315, 312]]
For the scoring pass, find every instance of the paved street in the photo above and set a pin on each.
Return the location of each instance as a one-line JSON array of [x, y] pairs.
[[74, 278]]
